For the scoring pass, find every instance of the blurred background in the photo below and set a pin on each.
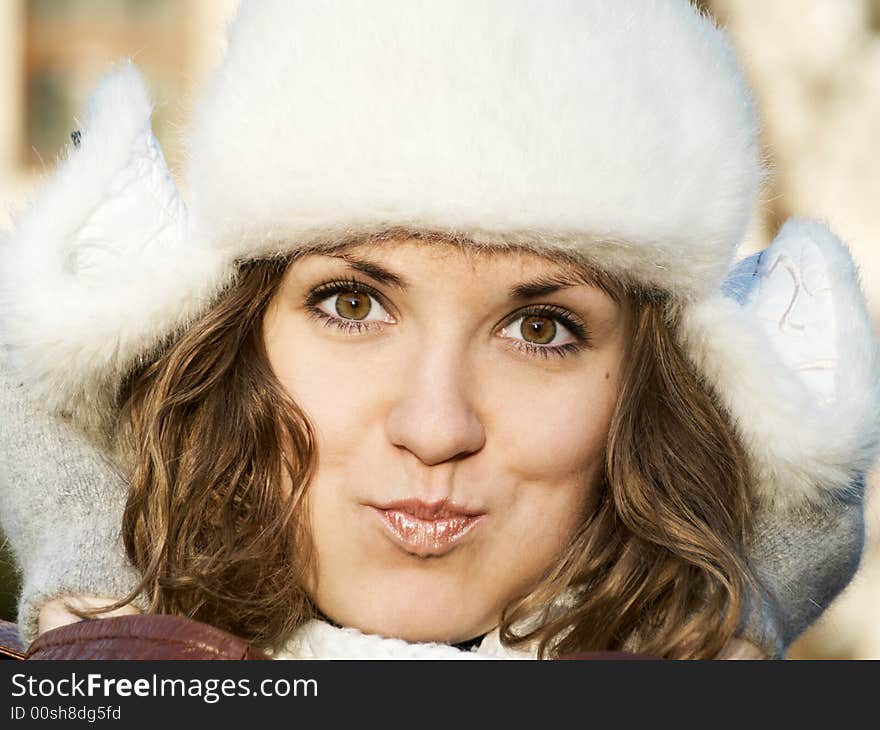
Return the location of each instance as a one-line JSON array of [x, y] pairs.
[[814, 66]]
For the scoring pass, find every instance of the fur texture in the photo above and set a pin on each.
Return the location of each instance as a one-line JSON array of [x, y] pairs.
[[103, 266], [320, 640], [795, 364], [620, 131]]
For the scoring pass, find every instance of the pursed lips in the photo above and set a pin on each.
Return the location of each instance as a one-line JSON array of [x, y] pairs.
[[427, 529]]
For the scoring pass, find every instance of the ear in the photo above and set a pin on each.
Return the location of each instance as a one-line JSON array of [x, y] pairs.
[[104, 249], [790, 349]]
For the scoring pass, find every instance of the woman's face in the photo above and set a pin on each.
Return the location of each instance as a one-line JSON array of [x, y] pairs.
[[461, 402]]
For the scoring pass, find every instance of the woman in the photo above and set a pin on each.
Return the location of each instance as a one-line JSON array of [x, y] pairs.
[[446, 348]]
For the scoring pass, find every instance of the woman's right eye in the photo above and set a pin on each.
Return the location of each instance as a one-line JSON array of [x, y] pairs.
[[348, 307], [355, 305]]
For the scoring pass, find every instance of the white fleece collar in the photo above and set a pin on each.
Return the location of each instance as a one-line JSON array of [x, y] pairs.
[[321, 640]]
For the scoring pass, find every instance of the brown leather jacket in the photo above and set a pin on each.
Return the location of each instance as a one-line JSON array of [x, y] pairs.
[[129, 637], [152, 636]]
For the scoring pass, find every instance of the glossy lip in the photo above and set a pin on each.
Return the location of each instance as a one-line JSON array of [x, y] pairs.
[[426, 529]]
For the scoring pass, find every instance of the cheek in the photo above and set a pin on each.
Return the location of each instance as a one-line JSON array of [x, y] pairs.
[[338, 393], [554, 428]]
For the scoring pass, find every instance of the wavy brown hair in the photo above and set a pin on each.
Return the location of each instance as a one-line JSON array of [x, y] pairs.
[[220, 458], [657, 566]]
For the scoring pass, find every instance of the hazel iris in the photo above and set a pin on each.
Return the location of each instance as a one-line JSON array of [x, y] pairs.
[[353, 305], [540, 330]]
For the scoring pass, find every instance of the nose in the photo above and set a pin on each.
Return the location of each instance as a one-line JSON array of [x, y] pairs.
[[433, 414]]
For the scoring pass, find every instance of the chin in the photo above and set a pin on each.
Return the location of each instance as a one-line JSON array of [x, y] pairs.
[[416, 617]]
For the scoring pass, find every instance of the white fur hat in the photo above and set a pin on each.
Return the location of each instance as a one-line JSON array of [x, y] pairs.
[[622, 131]]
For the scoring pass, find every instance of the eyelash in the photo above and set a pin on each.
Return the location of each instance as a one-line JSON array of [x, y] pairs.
[[559, 315], [336, 286]]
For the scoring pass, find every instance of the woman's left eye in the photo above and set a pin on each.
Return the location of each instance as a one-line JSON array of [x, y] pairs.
[[542, 332]]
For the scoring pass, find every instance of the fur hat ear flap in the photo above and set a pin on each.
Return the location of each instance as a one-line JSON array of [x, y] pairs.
[[89, 282], [790, 351]]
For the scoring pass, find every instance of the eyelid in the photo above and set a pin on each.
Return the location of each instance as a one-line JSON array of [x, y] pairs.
[[335, 286], [568, 319], [328, 289]]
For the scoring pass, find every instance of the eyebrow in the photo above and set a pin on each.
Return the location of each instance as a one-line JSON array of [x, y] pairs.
[[538, 287], [374, 271], [544, 285]]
